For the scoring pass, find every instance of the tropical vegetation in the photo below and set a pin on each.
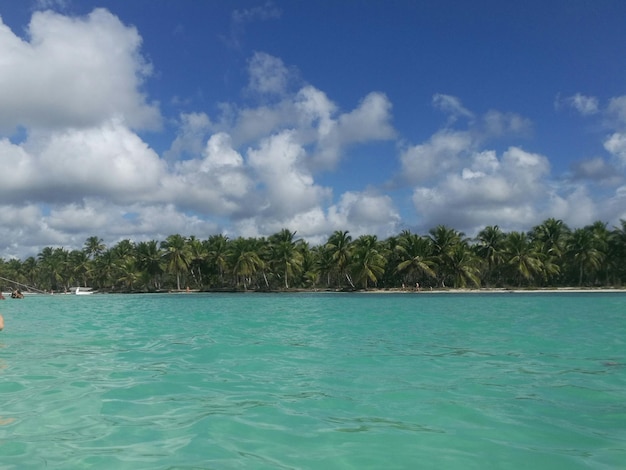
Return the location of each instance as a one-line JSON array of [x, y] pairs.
[[549, 255]]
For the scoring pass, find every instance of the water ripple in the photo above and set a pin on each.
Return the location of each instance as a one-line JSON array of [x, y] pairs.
[[313, 381]]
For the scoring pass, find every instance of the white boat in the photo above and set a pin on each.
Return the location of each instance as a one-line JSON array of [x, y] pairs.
[[83, 291]]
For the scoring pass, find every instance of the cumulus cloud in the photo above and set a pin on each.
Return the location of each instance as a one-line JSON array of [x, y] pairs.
[[447, 150], [216, 184], [585, 105], [268, 74], [440, 154], [75, 72], [317, 121], [358, 212], [192, 134], [495, 124], [615, 144], [288, 186], [505, 189], [109, 160], [596, 169], [617, 109], [81, 167], [252, 168]]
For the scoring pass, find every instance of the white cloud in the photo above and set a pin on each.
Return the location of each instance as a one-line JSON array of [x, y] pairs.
[[216, 184], [370, 121], [617, 108], [596, 169], [240, 18], [191, 138], [263, 12], [446, 151], [51, 4], [365, 213], [615, 144], [80, 168], [452, 106], [439, 155], [106, 161], [268, 74], [316, 121], [497, 124], [505, 191], [357, 212], [585, 105], [288, 186], [252, 124], [73, 72], [18, 168]]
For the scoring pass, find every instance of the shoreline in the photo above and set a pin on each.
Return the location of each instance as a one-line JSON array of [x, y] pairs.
[[393, 290], [488, 290], [436, 291]]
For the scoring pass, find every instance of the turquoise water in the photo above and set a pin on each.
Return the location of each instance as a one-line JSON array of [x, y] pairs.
[[314, 381]]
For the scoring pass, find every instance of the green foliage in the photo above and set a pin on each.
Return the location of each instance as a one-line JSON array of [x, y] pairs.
[[550, 255]]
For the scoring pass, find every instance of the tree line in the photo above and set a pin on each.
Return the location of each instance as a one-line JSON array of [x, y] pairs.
[[549, 255]]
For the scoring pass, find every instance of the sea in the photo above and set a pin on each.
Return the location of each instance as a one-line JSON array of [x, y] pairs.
[[314, 381]]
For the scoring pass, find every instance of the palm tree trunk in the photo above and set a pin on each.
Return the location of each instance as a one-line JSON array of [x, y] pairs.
[[580, 275]]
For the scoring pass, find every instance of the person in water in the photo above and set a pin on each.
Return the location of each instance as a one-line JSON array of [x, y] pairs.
[[17, 294], [1, 323]]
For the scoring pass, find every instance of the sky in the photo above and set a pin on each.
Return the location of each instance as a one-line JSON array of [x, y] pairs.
[[146, 118]]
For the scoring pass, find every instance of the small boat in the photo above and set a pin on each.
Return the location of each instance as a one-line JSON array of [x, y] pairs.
[[83, 291]]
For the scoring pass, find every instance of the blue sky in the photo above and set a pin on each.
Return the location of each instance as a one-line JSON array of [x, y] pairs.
[[140, 119]]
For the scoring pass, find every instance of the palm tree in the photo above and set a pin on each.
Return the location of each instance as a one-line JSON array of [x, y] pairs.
[[245, 260], [54, 264], [368, 263], [392, 249], [551, 237], [309, 267], [197, 258], [150, 260], [490, 247], [106, 268], [284, 257], [464, 266], [522, 257], [94, 247], [324, 263], [601, 242], [617, 253], [13, 270], [581, 249], [80, 265], [30, 271], [176, 256], [339, 246], [124, 249], [129, 274], [444, 241], [217, 254], [416, 257]]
